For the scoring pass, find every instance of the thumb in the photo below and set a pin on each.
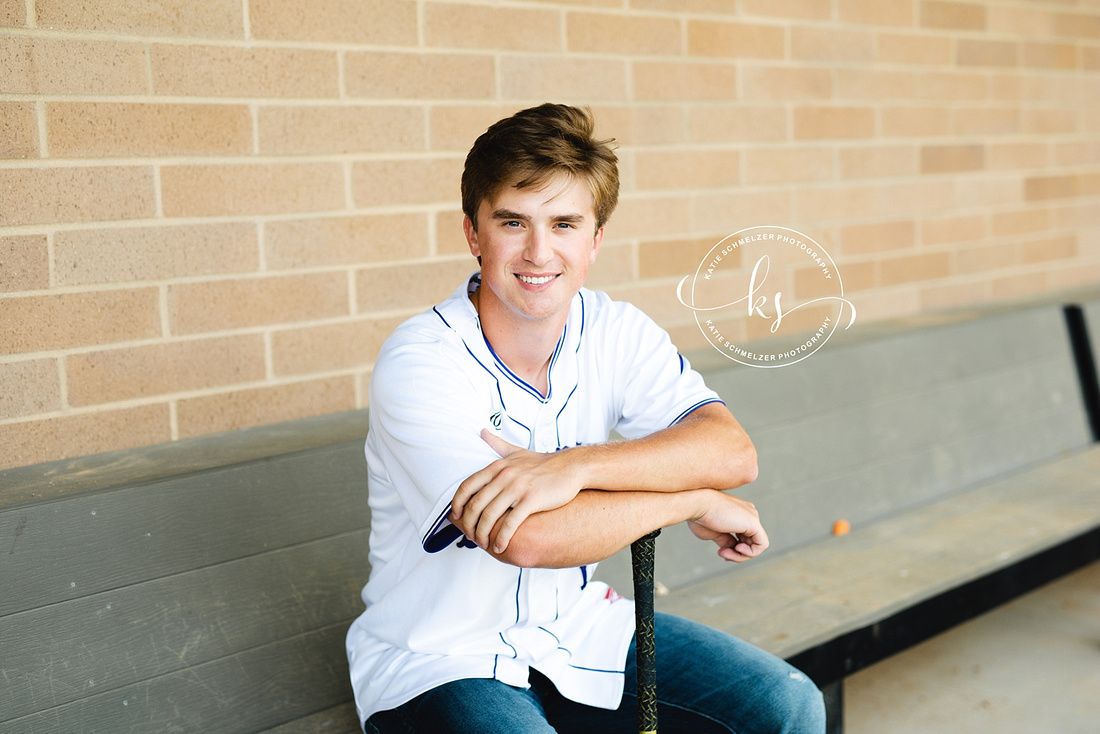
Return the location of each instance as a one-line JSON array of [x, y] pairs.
[[498, 444]]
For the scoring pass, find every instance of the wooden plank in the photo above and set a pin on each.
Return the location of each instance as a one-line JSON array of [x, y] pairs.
[[127, 635], [797, 600], [243, 693], [104, 540], [341, 719]]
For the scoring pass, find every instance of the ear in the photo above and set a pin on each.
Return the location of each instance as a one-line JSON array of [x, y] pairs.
[[595, 246], [471, 236]]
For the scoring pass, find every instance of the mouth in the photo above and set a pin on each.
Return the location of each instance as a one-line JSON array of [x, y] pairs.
[[535, 280]]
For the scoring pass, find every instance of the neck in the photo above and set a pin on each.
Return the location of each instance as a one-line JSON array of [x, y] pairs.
[[526, 348]]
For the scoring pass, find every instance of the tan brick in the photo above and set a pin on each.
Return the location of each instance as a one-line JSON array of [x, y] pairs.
[[276, 188], [1017, 21], [29, 387], [904, 48], [13, 13], [1048, 249], [102, 129], [342, 21], [1049, 122], [659, 216], [912, 198], [448, 234], [854, 276], [228, 71], [410, 287], [614, 33], [56, 66], [917, 122], [18, 130], [737, 123], [235, 304], [735, 40], [1016, 155], [956, 16], [264, 405], [838, 202], [384, 75], [876, 12], [676, 257], [163, 369], [55, 195], [709, 7], [951, 158], [947, 230], [24, 263], [951, 85], [457, 25], [1051, 55], [70, 436], [211, 19], [986, 121], [415, 181], [329, 347], [1019, 287], [986, 258], [789, 165], [913, 268], [456, 127], [614, 266], [729, 212], [63, 321], [687, 169], [877, 84], [340, 129], [1090, 58], [978, 52], [786, 83], [1075, 153], [878, 161], [346, 240], [642, 125], [1075, 25], [1039, 188], [539, 78], [832, 44], [154, 253], [1023, 221], [862, 239], [819, 122], [808, 9]]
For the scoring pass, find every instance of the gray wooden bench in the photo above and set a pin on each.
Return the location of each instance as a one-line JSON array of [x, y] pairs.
[[207, 585]]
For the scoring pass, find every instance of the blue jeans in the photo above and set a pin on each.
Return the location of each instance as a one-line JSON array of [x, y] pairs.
[[707, 681]]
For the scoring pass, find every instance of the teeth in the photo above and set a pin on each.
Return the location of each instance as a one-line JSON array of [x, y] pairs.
[[536, 281]]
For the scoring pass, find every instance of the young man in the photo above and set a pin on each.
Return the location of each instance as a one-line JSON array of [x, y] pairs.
[[494, 492]]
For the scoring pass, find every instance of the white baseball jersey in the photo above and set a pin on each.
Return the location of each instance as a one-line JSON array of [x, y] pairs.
[[440, 609]]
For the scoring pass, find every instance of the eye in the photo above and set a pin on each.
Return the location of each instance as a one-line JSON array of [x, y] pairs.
[[565, 225]]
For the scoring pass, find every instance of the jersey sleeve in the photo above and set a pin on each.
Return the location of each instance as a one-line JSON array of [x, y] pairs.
[[655, 384], [426, 416]]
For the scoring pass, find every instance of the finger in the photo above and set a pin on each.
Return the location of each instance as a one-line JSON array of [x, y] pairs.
[[469, 488], [510, 522], [498, 444], [501, 506]]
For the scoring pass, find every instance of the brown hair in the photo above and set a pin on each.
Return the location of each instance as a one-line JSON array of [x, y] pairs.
[[535, 144]]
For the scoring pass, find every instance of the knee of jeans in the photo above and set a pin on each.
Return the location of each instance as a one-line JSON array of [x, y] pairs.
[[801, 703]]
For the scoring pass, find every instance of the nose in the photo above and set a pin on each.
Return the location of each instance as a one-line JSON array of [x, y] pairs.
[[537, 250]]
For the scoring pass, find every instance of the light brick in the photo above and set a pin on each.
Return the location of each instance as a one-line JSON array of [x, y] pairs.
[[237, 304], [1090, 58], [24, 263], [384, 75], [659, 216], [345, 240], [607, 33], [735, 40], [1019, 287], [677, 257], [264, 405], [1017, 21], [709, 7], [455, 127], [862, 239], [103, 129], [540, 78], [788, 165], [13, 13], [737, 123], [154, 253], [401, 182], [986, 121], [839, 202], [457, 25], [923, 50], [645, 125], [913, 268], [816, 123], [340, 129], [55, 66], [786, 83], [977, 52], [410, 287], [728, 213], [329, 347], [877, 84], [985, 259], [954, 16], [878, 161], [821, 44], [18, 130], [64, 321], [877, 12], [911, 198], [1049, 122], [163, 369], [614, 266], [228, 71], [687, 169], [70, 436], [951, 85], [448, 233], [1075, 25], [276, 188], [1023, 221], [1040, 188], [951, 158], [920, 122], [1051, 55], [55, 195], [29, 387], [952, 229], [208, 19], [807, 9], [386, 22]]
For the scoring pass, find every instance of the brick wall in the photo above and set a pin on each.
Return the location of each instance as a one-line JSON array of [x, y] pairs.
[[212, 213]]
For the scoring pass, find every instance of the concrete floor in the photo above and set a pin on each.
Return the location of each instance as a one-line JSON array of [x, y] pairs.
[[1031, 666]]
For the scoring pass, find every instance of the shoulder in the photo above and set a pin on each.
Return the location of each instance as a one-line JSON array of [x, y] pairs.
[[613, 321]]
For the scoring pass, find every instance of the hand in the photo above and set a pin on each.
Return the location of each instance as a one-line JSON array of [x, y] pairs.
[[491, 504], [733, 524]]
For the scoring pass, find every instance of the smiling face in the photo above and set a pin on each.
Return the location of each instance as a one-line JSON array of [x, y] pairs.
[[535, 246]]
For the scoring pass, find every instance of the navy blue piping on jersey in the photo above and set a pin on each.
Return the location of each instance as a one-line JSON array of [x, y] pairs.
[[557, 428], [442, 534], [696, 407], [519, 381]]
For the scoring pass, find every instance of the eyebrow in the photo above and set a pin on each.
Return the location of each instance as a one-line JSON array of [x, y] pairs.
[[507, 214]]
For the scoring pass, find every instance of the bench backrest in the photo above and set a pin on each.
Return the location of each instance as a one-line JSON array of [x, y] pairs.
[[216, 600]]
